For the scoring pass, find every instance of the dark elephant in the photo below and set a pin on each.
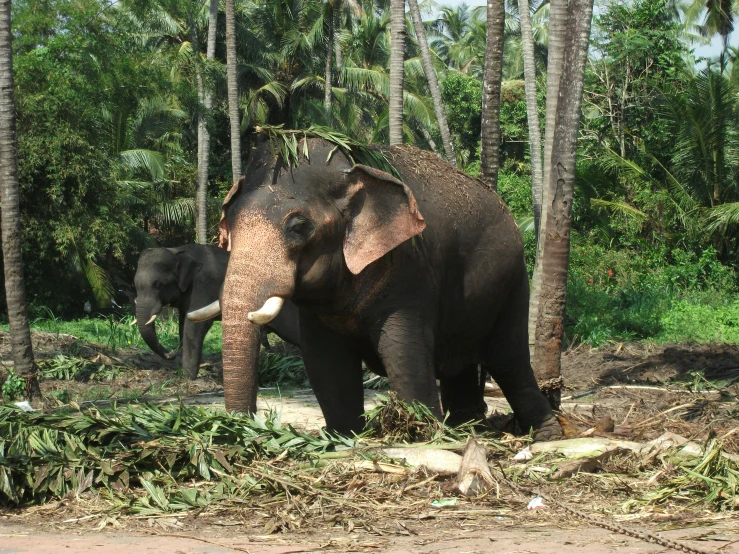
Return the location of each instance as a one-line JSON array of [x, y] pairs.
[[187, 278], [422, 277]]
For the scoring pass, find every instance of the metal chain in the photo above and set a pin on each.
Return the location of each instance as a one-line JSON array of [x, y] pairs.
[[615, 527]]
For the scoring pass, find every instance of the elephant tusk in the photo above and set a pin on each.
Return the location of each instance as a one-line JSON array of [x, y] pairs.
[[208, 312], [151, 320], [268, 312], [133, 322]]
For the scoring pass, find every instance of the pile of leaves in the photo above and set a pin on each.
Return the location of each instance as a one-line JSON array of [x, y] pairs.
[[71, 368], [711, 479], [44, 456], [398, 421]]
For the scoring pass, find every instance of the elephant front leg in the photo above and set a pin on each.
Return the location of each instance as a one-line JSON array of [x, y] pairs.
[[405, 345], [334, 369], [193, 336]]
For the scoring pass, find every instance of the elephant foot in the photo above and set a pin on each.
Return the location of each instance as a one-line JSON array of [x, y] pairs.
[[549, 430], [461, 417], [190, 372]]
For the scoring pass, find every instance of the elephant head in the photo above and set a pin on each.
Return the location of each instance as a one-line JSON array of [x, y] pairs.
[[300, 233], [162, 276]]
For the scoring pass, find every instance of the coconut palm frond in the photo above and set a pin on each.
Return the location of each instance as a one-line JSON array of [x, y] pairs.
[[291, 144], [526, 224], [368, 79], [180, 211], [144, 160], [720, 218], [619, 207]]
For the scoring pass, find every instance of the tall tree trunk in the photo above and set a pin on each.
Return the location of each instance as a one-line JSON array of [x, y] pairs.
[[397, 55], [433, 81], [337, 44], [557, 32], [328, 94], [532, 109], [556, 240], [204, 148], [490, 135], [233, 89], [205, 98], [15, 291]]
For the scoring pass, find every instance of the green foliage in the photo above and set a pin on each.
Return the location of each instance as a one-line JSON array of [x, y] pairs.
[[673, 296], [282, 370], [711, 480], [14, 387], [68, 368], [462, 97], [291, 144], [45, 456], [398, 421]]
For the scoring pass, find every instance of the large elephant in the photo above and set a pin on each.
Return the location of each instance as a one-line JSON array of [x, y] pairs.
[[187, 278], [422, 277]]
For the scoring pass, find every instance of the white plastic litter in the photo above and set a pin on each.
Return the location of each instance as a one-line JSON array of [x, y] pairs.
[[524, 455], [537, 502], [25, 406]]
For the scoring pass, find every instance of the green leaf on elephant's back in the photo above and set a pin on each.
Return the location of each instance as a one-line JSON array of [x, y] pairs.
[[285, 143]]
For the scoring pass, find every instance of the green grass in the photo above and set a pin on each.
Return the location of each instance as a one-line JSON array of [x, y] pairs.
[[117, 332]]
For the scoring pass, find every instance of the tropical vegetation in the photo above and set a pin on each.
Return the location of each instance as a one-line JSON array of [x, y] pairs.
[[113, 101]]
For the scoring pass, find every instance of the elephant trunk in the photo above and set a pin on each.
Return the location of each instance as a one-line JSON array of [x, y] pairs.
[[259, 273], [144, 315]]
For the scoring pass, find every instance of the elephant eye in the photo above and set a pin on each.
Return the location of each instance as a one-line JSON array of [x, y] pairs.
[[299, 225]]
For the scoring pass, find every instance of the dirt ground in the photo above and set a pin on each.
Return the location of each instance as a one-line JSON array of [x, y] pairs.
[[630, 384]]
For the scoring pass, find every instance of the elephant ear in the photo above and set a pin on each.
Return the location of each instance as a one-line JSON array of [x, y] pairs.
[[187, 267], [224, 239], [382, 214]]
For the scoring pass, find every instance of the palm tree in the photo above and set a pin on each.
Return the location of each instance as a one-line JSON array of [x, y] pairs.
[[204, 158], [556, 238], [205, 97], [233, 89], [490, 139], [532, 109], [15, 291], [458, 38], [397, 53], [328, 76], [433, 82], [556, 39]]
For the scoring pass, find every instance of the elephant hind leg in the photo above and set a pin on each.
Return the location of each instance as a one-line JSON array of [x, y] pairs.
[[462, 396], [507, 361]]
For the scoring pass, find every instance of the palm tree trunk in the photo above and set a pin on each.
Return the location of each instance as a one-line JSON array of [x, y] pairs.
[[532, 109], [557, 31], [204, 131], [433, 81], [205, 99], [337, 45], [490, 135], [233, 89], [397, 55], [556, 239], [328, 94], [15, 291]]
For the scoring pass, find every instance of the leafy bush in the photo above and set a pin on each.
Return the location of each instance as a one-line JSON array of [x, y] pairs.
[[14, 387]]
